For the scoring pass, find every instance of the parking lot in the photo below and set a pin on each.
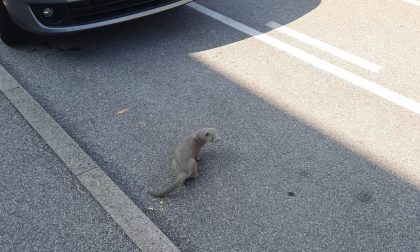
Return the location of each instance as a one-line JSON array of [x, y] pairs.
[[317, 103]]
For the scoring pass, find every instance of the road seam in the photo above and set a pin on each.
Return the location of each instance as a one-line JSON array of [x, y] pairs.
[[139, 228]]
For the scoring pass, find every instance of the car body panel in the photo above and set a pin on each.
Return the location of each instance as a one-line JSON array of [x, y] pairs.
[[21, 13]]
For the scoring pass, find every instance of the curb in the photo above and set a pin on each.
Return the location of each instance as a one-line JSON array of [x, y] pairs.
[[139, 228]]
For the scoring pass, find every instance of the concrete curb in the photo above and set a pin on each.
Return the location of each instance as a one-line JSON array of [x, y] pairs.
[[141, 230]]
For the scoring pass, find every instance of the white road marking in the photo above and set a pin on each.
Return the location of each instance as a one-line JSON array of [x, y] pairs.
[[325, 47], [415, 2], [341, 73]]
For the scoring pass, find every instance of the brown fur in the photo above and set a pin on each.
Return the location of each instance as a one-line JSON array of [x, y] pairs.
[[186, 156]]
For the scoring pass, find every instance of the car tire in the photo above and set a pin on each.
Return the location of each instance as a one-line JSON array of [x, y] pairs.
[[10, 33]]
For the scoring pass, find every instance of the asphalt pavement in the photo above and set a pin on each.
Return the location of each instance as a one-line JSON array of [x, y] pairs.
[[308, 161], [43, 207]]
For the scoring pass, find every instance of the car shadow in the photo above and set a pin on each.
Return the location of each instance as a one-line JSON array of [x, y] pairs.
[[167, 26]]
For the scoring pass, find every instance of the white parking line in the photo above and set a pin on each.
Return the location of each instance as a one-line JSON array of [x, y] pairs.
[[325, 47], [415, 2], [341, 73]]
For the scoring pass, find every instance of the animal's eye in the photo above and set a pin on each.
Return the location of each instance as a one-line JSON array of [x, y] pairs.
[[207, 134]]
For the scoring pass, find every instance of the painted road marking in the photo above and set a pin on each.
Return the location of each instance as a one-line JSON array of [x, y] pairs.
[[341, 73], [415, 2], [325, 47]]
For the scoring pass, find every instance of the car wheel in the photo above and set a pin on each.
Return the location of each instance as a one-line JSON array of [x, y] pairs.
[[10, 33]]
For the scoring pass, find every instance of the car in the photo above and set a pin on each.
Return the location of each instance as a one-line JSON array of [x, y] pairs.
[[18, 18]]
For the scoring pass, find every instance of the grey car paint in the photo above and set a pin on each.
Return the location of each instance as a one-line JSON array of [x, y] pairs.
[[22, 15]]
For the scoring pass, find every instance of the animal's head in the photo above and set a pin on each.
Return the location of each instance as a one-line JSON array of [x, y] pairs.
[[210, 134]]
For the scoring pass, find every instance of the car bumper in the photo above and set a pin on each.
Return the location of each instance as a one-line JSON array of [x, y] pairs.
[[21, 13]]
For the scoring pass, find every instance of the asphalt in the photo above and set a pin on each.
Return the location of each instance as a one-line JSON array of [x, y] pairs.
[[43, 207], [310, 165]]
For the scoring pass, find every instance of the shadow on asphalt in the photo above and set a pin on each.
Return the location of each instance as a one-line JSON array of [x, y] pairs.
[[273, 182], [252, 13]]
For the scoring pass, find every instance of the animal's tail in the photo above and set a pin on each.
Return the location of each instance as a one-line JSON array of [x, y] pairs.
[[178, 183]]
